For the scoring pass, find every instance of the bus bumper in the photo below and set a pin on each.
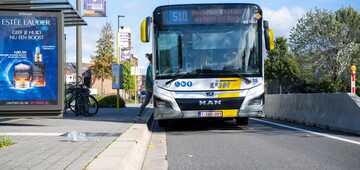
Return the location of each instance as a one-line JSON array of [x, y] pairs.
[[167, 113], [160, 114]]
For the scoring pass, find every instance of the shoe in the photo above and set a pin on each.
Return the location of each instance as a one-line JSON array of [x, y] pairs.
[[138, 119]]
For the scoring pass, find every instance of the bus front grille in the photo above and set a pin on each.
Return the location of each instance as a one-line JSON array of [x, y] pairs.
[[210, 104]]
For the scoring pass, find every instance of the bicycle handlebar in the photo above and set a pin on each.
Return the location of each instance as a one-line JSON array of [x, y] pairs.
[[80, 79]]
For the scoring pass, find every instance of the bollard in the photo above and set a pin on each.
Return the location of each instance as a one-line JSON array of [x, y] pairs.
[[353, 72]]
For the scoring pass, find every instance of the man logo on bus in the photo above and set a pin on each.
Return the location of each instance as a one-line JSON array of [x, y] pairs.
[[209, 102]]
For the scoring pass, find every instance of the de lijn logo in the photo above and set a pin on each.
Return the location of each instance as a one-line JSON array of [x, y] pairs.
[[183, 83]]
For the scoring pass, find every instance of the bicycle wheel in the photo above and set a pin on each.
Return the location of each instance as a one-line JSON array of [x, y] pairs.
[[87, 105], [71, 102]]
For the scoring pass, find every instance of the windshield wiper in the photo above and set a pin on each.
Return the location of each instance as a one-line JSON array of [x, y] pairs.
[[247, 81], [175, 78]]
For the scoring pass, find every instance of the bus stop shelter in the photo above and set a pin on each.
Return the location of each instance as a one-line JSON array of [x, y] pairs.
[[69, 17]]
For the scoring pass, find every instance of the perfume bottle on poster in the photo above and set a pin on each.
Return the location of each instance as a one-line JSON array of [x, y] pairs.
[[38, 69]]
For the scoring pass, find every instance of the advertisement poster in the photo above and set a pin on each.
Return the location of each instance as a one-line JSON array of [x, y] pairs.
[[117, 76], [124, 39], [95, 8], [28, 58], [125, 55]]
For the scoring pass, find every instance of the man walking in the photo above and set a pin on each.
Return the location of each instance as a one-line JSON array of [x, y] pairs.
[[148, 86]]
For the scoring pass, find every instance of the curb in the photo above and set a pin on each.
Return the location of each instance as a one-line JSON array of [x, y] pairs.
[[128, 150]]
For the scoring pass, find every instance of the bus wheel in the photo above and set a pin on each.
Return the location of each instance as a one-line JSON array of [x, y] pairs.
[[242, 121], [163, 123]]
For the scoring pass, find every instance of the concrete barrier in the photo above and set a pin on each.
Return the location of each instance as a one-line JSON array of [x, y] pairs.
[[338, 111], [272, 104]]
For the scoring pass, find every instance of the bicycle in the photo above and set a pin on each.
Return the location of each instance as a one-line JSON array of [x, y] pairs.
[[79, 100]]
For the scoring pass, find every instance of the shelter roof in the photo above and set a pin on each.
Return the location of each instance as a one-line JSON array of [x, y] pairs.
[[71, 16]]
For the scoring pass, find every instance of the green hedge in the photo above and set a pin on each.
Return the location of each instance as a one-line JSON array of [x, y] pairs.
[[109, 101], [130, 101]]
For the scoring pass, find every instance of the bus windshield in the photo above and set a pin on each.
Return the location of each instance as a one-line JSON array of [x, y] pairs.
[[208, 51], [192, 50]]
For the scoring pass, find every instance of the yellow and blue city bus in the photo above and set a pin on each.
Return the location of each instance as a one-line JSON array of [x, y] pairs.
[[208, 61]]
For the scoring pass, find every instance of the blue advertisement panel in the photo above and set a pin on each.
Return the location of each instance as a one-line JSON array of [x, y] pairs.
[[29, 59], [125, 55], [117, 76], [95, 8]]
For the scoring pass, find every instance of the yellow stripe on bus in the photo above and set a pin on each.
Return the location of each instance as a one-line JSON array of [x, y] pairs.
[[229, 95], [229, 113]]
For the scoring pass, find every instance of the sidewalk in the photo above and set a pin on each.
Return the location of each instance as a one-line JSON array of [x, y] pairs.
[[42, 143]]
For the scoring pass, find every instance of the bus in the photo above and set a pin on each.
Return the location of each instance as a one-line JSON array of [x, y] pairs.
[[208, 61]]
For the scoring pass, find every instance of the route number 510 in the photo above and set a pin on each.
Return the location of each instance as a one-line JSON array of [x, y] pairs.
[[179, 16]]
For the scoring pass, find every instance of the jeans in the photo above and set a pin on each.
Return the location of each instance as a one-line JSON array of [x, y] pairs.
[[146, 102]]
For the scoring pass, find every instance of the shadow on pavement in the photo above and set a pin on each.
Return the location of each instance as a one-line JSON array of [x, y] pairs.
[[17, 124]]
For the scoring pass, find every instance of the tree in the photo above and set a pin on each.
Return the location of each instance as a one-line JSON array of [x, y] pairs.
[[280, 65], [327, 44], [128, 79], [104, 55]]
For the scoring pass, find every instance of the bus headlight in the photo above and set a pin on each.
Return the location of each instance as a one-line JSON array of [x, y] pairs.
[[259, 101], [256, 102], [162, 104]]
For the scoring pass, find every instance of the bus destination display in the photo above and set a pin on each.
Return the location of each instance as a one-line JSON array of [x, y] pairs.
[[211, 16]]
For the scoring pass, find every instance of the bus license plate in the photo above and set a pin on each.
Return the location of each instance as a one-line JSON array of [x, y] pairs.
[[210, 114]]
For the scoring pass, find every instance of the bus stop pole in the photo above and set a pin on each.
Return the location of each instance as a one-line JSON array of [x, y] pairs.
[[118, 61], [78, 44], [135, 77]]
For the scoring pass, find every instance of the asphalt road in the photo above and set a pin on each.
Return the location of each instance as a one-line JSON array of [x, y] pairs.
[[263, 144]]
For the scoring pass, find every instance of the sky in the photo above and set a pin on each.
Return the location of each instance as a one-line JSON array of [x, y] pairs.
[[281, 14]]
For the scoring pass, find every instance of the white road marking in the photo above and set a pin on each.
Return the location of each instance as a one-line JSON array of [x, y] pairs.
[[308, 131], [30, 134]]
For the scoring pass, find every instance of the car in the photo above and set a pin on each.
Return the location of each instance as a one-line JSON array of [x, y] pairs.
[[141, 96]]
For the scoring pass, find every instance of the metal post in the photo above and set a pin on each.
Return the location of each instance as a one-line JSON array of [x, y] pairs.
[[118, 61], [78, 44], [135, 77]]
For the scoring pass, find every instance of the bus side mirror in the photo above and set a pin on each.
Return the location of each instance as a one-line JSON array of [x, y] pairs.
[[145, 30], [269, 36]]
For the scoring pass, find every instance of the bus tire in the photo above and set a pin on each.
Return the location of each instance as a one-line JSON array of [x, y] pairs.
[[163, 123], [242, 121]]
